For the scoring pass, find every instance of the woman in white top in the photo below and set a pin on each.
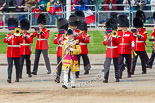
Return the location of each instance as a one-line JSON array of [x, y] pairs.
[[131, 3]]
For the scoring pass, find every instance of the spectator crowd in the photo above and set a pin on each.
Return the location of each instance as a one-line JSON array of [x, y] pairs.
[[55, 7]]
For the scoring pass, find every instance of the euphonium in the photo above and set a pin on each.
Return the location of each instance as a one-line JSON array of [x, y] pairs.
[[17, 32]]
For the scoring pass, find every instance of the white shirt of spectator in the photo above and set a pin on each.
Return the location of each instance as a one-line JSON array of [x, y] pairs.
[[153, 5], [127, 8]]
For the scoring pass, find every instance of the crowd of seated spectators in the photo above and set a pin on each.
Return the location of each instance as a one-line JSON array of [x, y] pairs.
[[57, 6]]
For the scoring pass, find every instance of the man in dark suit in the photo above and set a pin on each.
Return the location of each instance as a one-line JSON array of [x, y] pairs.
[[140, 4]]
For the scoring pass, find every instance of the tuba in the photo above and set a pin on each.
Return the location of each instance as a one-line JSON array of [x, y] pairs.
[[17, 32]]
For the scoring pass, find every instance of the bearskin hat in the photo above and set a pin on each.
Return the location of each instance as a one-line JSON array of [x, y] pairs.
[[112, 14], [41, 19], [111, 23], [62, 24], [123, 21], [12, 23], [138, 22], [73, 20], [82, 26], [25, 24], [141, 14], [80, 15]]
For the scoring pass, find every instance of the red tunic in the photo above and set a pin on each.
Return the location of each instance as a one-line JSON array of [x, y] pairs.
[[153, 35], [83, 43], [126, 39], [25, 47], [58, 40], [140, 42], [143, 29], [42, 40], [13, 49], [112, 47]]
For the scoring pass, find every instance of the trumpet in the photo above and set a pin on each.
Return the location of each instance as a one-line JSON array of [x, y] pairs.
[[17, 32]]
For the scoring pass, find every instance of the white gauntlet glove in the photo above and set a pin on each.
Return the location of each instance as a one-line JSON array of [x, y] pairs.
[[133, 44]]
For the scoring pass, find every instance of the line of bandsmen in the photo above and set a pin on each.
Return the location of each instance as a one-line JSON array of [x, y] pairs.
[[72, 44], [122, 43], [72, 41]]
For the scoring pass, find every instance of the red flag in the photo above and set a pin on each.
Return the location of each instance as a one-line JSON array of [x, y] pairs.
[[89, 16]]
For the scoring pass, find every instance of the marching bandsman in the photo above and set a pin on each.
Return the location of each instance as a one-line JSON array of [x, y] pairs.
[[73, 23], [140, 38], [84, 40], [112, 43], [70, 50], [25, 47], [150, 61], [141, 14], [125, 46], [59, 38], [42, 44], [13, 50]]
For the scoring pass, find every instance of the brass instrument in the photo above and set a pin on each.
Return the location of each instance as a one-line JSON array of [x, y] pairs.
[[17, 32], [114, 34]]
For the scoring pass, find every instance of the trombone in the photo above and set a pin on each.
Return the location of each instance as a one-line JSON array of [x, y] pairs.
[[114, 34], [17, 32]]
